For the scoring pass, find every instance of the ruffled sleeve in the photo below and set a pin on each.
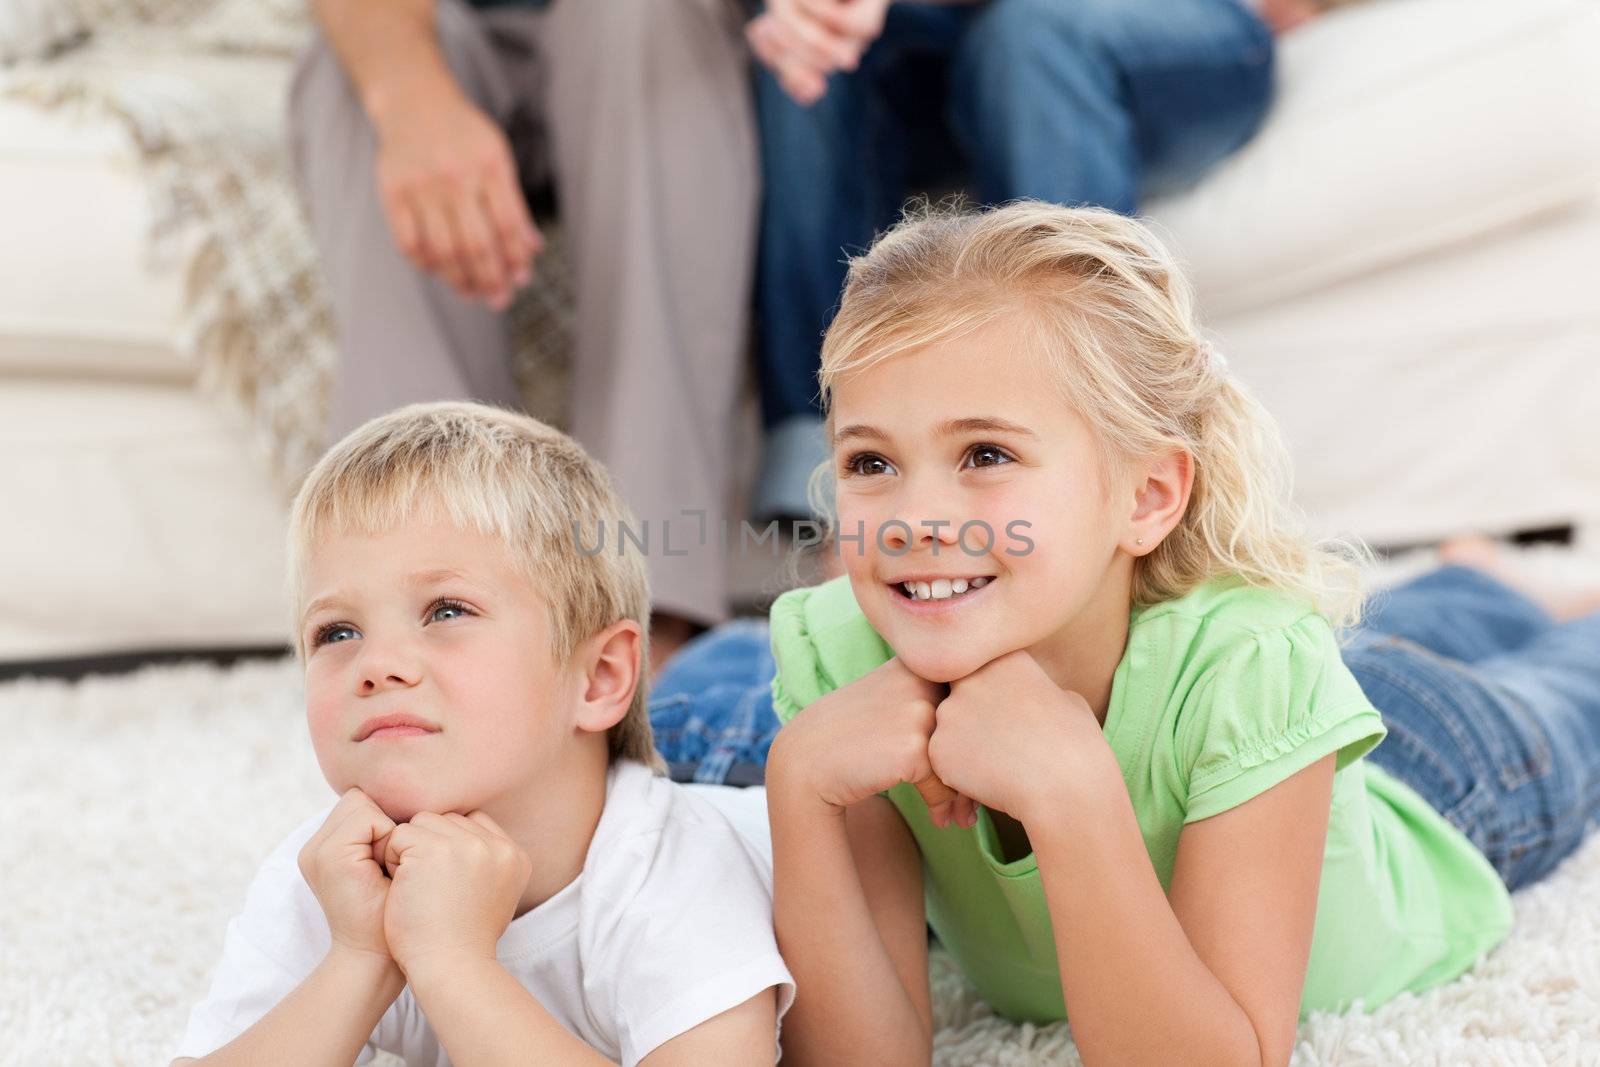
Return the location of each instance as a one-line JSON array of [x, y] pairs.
[[1274, 703], [821, 640]]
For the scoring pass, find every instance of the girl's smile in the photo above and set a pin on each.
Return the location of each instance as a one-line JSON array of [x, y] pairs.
[[935, 596]]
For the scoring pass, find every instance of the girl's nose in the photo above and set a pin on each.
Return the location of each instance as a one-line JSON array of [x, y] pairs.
[[933, 529]]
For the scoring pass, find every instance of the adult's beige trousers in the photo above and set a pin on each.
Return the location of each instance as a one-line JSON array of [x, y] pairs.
[[640, 112]]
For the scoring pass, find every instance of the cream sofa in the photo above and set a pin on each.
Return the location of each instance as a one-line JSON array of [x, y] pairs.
[[1401, 263]]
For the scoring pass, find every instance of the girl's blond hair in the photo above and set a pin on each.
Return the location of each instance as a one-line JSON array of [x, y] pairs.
[[1100, 298], [504, 475]]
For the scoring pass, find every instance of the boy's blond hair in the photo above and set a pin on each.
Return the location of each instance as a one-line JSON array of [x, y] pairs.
[[504, 475], [1100, 298]]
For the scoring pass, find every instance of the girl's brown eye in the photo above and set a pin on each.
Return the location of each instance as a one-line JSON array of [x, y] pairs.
[[999, 455], [867, 464]]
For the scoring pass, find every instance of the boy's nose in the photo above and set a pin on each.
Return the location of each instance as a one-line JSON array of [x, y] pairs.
[[373, 683], [382, 669]]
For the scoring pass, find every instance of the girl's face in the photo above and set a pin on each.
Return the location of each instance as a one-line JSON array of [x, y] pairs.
[[962, 463]]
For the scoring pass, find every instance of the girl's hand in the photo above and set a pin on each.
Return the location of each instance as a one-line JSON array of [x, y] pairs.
[[865, 737], [341, 868], [1009, 737], [457, 882]]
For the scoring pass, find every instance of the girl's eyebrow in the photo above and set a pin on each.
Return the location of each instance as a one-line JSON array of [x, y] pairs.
[[971, 424]]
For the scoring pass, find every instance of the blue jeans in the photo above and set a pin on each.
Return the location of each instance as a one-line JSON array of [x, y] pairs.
[[1070, 101], [711, 707], [1493, 711]]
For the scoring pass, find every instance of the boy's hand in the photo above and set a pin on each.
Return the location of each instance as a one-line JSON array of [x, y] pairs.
[[457, 882], [867, 736], [340, 865], [804, 41], [1007, 736]]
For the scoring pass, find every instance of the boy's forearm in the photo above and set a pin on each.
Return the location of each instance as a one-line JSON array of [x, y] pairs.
[[325, 1019], [854, 1008], [484, 1016], [1137, 992], [390, 50]]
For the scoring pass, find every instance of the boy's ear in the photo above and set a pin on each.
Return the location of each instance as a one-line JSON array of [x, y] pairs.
[[1160, 496], [610, 665]]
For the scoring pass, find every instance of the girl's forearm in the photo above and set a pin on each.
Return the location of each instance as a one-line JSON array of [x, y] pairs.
[[850, 1005], [1136, 990]]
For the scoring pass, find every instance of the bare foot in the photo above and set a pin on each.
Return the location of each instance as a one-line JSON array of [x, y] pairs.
[[669, 633], [1285, 15], [1490, 557]]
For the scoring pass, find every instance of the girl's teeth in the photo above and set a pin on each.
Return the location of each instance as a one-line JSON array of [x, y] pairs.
[[942, 588]]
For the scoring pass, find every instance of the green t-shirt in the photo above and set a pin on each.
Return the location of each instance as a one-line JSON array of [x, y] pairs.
[[1220, 695]]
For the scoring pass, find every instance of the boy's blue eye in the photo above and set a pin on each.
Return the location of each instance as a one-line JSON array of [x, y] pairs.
[[329, 634], [447, 605], [325, 635]]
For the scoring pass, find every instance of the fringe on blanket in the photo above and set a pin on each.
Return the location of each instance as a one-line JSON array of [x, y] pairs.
[[211, 145]]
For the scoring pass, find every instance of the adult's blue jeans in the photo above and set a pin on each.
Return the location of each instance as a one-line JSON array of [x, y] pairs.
[[1493, 711], [1071, 101]]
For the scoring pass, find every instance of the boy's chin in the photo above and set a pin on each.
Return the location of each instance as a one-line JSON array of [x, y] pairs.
[[401, 801]]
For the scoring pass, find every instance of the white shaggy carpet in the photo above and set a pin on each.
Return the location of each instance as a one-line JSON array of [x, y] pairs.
[[137, 807]]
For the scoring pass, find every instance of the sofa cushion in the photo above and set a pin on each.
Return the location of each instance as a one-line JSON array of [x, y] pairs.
[[83, 294], [1400, 126], [137, 518]]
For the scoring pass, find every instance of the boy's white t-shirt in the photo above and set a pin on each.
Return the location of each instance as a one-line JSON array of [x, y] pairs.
[[668, 925]]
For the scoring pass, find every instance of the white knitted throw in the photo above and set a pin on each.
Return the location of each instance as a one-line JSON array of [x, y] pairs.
[[212, 146]]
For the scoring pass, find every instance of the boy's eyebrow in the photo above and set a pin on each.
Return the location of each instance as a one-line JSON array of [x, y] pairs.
[[971, 424], [417, 580]]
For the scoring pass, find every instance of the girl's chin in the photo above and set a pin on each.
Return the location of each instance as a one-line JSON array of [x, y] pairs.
[[942, 667]]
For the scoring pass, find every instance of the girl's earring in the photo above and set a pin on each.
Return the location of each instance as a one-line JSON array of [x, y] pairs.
[[1138, 541]]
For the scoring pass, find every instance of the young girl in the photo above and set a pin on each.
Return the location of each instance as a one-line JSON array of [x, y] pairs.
[[1078, 702]]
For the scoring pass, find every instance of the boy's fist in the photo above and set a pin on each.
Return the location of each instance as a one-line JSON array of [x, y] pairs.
[[340, 865], [457, 880]]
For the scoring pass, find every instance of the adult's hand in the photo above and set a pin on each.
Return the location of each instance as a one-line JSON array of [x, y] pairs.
[[804, 41], [449, 188]]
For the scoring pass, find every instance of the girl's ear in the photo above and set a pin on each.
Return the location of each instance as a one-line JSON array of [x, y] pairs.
[[1160, 496], [610, 665]]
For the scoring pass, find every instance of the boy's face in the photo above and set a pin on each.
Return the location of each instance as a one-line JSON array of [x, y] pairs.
[[435, 625], [1032, 487]]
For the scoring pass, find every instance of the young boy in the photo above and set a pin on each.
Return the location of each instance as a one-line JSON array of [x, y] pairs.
[[504, 878]]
